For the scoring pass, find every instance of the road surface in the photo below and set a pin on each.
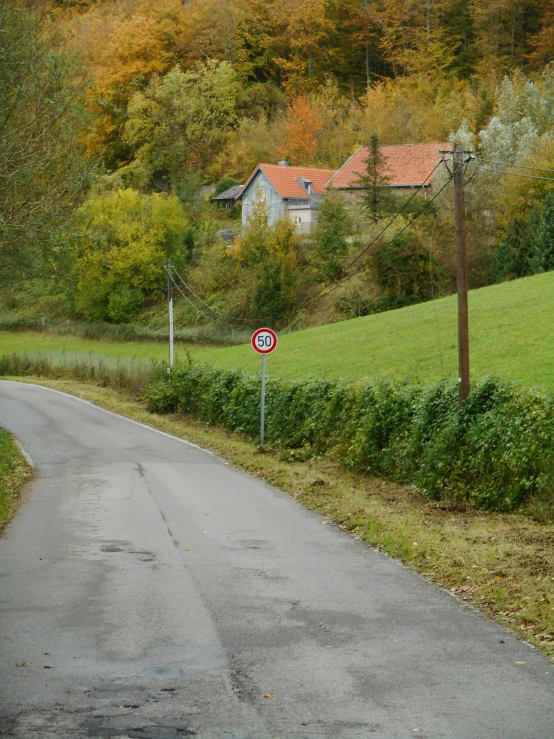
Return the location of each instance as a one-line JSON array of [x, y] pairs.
[[150, 590]]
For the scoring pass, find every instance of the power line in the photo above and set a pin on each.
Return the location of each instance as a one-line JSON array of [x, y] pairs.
[[196, 308], [330, 284], [514, 174], [364, 265], [517, 166], [214, 310]]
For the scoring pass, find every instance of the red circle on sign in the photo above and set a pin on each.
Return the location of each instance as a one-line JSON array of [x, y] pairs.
[[264, 340]]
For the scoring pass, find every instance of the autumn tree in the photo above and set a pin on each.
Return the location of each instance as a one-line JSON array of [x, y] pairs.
[[302, 126], [125, 238], [177, 122], [123, 52], [543, 41], [306, 27]]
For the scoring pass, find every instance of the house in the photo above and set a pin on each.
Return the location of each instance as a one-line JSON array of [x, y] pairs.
[[228, 197], [292, 192], [407, 167]]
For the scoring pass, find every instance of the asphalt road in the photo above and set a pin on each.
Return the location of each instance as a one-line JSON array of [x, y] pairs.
[[150, 590]]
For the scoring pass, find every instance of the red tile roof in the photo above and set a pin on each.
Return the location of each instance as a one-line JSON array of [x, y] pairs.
[[405, 164], [285, 179]]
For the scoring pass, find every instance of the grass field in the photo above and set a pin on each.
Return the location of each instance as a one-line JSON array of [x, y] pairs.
[[511, 335]]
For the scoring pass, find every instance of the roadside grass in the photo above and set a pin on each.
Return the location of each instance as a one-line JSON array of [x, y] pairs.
[[31, 342], [510, 336], [502, 564], [14, 471]]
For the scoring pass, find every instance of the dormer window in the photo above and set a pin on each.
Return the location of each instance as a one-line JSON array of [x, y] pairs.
[[307, 185]]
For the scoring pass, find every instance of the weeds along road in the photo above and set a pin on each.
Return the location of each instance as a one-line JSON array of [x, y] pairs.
[[149, 590]]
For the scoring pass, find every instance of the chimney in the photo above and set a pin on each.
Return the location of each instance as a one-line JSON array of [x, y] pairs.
[[283, 163]]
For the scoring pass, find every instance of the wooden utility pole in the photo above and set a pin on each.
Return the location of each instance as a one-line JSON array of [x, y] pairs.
[[461, 266]]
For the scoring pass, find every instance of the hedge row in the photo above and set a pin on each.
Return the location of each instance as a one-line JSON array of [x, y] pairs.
[[497, 452]]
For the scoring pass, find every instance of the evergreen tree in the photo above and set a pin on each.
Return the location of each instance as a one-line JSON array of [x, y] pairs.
[[542, 259], [330, 245], [378, 196], [512, 259]]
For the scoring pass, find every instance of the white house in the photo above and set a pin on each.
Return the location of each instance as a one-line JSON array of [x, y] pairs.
[[292, 192]]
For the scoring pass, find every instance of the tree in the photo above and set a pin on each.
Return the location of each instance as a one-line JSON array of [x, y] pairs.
[[305, 28], [513, 255], [302, 126], [178, 121], [125, 239], [274, 294], [269, 255], [43, 172], [542, 259], [402, 270], [377, 196], [124, 50], [330, 244]]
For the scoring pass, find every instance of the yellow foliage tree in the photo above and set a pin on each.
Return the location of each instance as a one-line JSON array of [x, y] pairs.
[[126, 238]]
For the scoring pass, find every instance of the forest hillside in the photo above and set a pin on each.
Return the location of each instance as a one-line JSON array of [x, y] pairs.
[[132, 114]]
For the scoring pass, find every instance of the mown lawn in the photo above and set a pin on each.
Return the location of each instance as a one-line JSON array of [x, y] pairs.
[[511, 335]]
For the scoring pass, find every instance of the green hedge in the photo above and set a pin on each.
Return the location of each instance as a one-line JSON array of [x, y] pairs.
[[497, 452]]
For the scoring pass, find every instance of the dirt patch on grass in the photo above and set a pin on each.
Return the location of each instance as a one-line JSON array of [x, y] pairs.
[[502, 564]]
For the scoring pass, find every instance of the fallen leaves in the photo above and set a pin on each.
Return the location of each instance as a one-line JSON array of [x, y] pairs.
[[268, 695]]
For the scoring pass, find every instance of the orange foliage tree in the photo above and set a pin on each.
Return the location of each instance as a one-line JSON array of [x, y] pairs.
[[302, 126]]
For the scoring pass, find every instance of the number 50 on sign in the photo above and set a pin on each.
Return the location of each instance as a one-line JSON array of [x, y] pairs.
[[264, 341]]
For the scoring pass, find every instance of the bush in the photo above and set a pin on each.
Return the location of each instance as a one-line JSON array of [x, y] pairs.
[[497, 452]]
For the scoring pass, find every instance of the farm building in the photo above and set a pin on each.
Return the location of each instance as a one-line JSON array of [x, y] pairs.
[[406, 167]]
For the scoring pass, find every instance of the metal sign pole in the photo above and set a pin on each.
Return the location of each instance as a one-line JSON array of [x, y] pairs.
[[262, 410], [170, 309]]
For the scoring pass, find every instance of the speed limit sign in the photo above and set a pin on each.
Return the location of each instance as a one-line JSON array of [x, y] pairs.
[[264, 340]]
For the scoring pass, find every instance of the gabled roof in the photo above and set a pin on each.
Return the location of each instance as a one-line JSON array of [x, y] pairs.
[[405, 165], [286, 179], [231, 193]]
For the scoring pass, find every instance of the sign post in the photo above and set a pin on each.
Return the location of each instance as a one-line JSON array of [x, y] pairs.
[[264, 341]]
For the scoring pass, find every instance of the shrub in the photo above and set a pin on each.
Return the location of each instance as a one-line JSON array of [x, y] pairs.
[[496, 452]]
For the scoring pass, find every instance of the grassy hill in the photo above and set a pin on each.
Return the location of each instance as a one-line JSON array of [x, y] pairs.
[[511, 334]]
